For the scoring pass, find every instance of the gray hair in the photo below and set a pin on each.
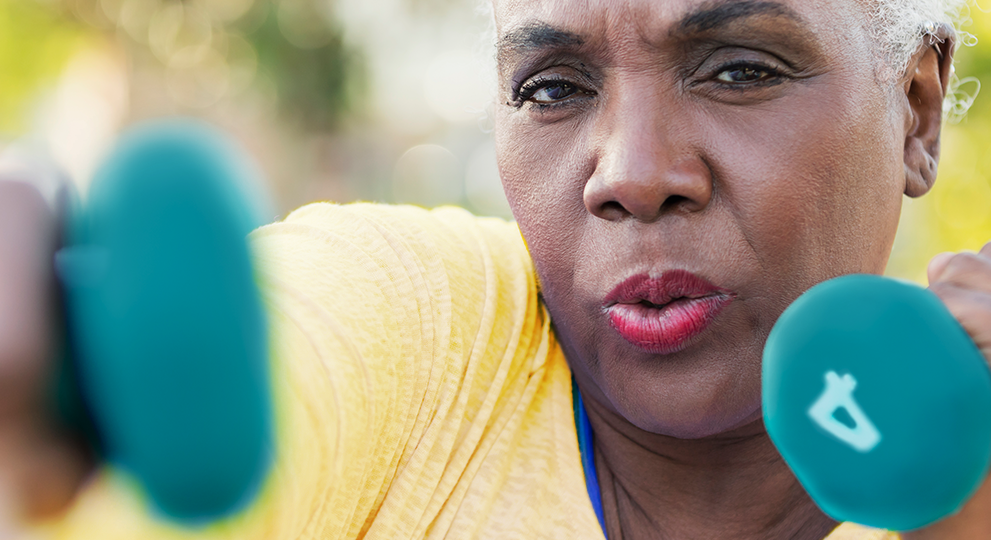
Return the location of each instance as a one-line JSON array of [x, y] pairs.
[[899, 26]]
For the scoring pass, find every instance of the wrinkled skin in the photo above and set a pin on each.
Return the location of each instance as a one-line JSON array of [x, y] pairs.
[[763, 146]]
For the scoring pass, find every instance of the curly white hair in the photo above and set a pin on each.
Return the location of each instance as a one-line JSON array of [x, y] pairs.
[[899, 25]]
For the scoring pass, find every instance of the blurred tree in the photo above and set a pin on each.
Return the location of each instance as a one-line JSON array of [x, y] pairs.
[[209, 50], [314, 72]]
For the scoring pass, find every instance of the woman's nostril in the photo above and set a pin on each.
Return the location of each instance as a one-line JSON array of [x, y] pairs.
[[613, 210], [673, 202]]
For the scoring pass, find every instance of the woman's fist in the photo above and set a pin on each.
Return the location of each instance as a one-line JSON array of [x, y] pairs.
[[40, 467], [963, 282]]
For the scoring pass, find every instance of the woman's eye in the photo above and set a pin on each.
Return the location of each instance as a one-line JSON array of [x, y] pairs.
[[744, 74], [551, 92]]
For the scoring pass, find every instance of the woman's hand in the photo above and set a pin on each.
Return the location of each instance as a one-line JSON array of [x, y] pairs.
[[40, 467], [963, 282]]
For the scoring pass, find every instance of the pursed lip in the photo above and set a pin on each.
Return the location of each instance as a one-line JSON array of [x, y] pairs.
[[661, 315]]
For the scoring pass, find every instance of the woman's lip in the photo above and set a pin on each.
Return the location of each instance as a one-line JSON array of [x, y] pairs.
[[660, 315]]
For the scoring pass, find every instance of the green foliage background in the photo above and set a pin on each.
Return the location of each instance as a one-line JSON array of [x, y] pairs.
[[35, 43], [315, 91]]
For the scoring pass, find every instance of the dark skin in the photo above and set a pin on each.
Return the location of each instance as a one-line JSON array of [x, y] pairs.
[[764, 146], [41, 466]]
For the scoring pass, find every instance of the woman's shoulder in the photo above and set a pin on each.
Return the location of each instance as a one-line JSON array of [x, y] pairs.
[[448, 247], [400, 218]]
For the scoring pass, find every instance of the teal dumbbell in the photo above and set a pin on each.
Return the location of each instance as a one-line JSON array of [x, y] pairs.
[[879, 402], [168, 339]]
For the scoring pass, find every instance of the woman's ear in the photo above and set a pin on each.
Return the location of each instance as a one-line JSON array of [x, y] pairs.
[[925, 85]]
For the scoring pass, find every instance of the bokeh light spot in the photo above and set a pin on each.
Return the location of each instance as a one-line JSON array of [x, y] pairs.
[[483, 187], [455, 86], [305, 23], [428, 175]]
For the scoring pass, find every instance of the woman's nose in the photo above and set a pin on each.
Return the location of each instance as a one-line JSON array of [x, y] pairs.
[[642, 173]]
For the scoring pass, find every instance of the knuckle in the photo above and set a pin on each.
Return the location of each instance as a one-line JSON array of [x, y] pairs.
[[942, 289], [966, 266], [971, 308], [986, 249]]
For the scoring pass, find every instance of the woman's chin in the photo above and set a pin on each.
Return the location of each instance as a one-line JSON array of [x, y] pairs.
[[692, 413], [706, 427]]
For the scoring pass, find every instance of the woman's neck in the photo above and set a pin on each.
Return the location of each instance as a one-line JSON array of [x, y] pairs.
[[733, 485]]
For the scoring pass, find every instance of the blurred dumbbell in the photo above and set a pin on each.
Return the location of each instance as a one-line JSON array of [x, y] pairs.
[[168, 339], [879, 402]]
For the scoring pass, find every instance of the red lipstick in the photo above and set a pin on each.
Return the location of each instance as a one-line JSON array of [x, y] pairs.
[[660, 315]]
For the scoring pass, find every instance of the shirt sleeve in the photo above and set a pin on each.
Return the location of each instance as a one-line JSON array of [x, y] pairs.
[[396, 332]]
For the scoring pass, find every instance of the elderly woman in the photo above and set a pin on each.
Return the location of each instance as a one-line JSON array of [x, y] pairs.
[[680, 171]]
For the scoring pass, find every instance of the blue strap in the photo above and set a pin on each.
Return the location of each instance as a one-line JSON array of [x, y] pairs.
[[584, 428]]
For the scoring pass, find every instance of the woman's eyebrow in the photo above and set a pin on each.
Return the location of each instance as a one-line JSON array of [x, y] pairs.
[[538, 35], [722, 13]]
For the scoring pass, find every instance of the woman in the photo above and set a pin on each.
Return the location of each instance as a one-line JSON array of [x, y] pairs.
[[681, 171]]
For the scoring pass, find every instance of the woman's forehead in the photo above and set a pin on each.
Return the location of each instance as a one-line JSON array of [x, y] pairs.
[[654, 21]]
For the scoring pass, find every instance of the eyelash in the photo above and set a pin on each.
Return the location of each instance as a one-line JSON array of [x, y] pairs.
[[529, 88], [771, 75]]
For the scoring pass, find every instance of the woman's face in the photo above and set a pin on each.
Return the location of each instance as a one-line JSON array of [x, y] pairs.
[[753, 144]]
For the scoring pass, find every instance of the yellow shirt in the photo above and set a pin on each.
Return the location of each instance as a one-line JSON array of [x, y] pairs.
[[420, 392]]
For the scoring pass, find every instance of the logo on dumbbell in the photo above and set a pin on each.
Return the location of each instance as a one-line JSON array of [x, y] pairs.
[[838, 394]]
